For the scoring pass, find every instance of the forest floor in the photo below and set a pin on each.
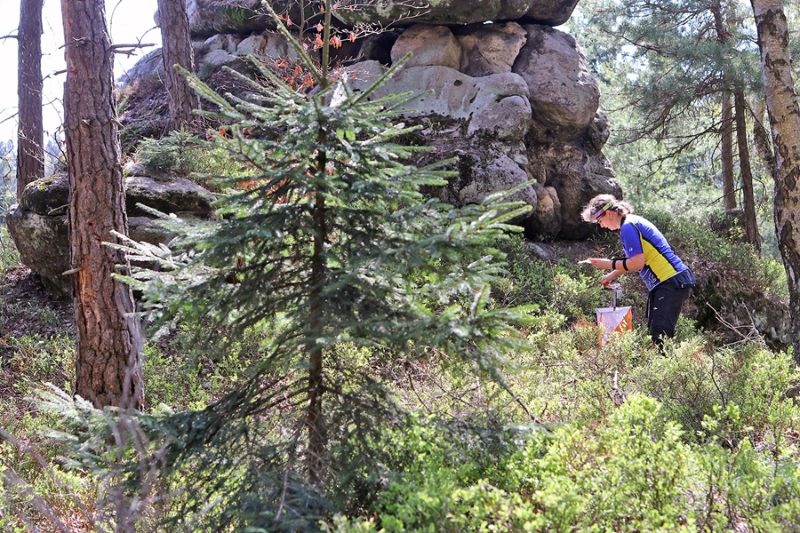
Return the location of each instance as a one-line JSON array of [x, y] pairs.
[[26, 310]]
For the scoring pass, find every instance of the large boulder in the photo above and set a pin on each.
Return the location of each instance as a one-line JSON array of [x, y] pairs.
[[430, 45], [512, 98], [149, 66], [494, 105], [210, 17], [39, 224], [168, 195], [403, 12], [490, 48], [563, 93], [551, 12], [43, 245], [574, 177]]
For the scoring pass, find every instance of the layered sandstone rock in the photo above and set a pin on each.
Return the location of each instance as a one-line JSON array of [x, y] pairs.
[[500, 88]]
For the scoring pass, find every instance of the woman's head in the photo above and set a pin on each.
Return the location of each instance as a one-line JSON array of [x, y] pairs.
[[601, 204]]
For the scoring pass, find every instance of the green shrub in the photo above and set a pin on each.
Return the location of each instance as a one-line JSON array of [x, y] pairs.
[[563, 287], [692, 381], [9, 256]]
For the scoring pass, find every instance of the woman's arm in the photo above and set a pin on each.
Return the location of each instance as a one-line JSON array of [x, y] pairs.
[[632, 263]]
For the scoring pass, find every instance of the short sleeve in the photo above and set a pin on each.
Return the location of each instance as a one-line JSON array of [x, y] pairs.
[[631, 240]]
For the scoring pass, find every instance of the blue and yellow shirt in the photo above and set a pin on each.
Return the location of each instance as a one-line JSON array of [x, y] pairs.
[[639, 235]]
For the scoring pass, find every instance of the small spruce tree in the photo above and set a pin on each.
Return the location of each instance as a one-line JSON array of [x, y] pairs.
[[330, 237]]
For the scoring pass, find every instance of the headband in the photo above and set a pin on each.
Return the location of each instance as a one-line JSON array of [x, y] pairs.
[[603, 210]]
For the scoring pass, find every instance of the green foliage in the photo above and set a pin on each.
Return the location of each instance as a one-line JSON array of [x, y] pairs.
[[663, 68], [695, 382], [9, 256], [331, 243], [633, 472], [563, 288]]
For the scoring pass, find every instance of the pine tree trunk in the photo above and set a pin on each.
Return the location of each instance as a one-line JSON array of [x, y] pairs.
[[177, 50], [784, 113], [30, 155], [748, 198], [108, 368], [726, 133], [728, 185]]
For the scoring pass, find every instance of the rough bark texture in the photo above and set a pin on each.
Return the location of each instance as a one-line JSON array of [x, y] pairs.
[[177, 50], [108, 366], [30, 156], [784, 114], [726, 134], [748, 198], [761, 139]]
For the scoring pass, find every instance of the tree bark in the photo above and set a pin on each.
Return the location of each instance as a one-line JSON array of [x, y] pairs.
[[748, 198], [761, 140], [177, 50], [726, 134], [108, 364], [30, 154], [784, 113]]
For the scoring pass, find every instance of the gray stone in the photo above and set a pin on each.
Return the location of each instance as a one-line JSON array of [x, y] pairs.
[[562, 92], [252, 45], [149, 66], [598, 132], [135, 168], [576, 176], [173, 195], [430, 45], [277, 46], [546, 219], [38, 225], [46, 196], [493, 171], [217, 58], [407, 12], [210, 17], [490, 48], [494, 105], [541, 253], [551, 12], [220, 41], [43, 245]]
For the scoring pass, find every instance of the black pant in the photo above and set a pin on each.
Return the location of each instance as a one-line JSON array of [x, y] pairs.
[[664, 305]]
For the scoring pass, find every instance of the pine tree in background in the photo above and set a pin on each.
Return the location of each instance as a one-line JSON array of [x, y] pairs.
[[328, 236], [682, 69]]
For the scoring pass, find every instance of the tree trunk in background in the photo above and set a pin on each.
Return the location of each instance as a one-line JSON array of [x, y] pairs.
[[108, 367], [30, 154], [748, 198], [761, 139], [784, 114], [177, 50], [728, 185]]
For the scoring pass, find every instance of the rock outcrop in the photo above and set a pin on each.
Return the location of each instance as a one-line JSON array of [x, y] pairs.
[[39, 223], [504, 90]]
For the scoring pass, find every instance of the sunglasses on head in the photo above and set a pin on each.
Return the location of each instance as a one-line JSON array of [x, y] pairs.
[[603, 210]]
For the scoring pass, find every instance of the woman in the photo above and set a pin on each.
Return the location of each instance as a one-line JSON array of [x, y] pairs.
[[667, 278]]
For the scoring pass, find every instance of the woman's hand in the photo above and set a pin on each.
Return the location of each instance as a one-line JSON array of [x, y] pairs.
[[608, 278], [600, 263]]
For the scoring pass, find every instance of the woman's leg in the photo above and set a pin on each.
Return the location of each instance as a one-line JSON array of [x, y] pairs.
[[665, 303]]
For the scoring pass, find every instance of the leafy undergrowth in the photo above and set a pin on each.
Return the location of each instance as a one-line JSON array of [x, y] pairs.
[[579, 437]]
